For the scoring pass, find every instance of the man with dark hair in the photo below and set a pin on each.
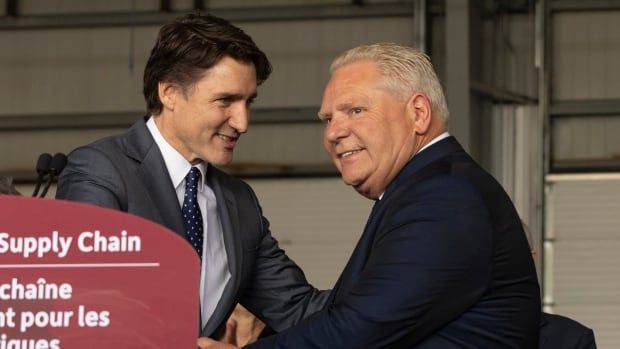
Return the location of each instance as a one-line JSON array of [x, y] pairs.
[[199, 83]]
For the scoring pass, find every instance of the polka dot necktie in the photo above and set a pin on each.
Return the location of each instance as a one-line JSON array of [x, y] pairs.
[[192, 217]]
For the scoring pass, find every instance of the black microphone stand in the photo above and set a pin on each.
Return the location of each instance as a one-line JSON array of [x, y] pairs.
[[43, 168], [58, 163]]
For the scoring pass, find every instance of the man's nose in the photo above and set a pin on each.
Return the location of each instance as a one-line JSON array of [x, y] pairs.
[[336, 129], [240, 118]]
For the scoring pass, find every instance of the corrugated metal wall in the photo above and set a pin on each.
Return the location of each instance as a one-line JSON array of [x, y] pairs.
[[582, 239], [586, 52], [88, 71], [317, 222], [581, 225]]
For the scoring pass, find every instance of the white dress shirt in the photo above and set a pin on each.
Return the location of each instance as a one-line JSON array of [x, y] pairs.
[[433, 141], [214, 272]]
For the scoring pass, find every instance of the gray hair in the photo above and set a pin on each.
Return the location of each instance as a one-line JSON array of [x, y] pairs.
[[406, 71]]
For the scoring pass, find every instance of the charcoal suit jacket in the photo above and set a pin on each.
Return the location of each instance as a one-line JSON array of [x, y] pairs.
[[127, 172]]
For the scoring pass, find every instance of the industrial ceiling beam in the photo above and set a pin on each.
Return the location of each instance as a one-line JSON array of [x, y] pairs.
[[245, 14], [126, 118], [580, 5]]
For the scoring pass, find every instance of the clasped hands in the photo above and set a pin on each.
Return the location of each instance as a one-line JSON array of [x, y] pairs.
[[241, 328]]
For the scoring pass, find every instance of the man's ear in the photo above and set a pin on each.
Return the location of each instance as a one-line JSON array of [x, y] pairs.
[[419, 108], [168, 94]]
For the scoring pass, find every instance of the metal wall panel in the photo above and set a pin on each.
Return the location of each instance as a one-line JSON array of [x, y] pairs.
[[19, 151], [58, 6], [300, 144], [88, 70], [72, 70], [508, 54], [581, 260], [92, 71], [317, 221], [265, 145], [594, 138], [40, 7], [301, 53], [586, 52], [245, 3]]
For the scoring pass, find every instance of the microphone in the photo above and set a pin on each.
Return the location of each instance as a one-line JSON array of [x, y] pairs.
[[43, 167], [58, 163]]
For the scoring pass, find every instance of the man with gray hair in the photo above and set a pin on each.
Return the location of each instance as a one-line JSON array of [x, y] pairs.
[[443, 261]]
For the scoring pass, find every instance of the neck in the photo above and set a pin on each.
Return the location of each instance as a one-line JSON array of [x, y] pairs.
[[166, 129]]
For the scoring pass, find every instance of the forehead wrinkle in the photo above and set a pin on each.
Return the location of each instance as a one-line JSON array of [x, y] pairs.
[[359, 98]]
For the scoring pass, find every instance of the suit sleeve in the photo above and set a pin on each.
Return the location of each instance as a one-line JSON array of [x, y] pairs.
[[429, 263], [91, 177], [278, 291], [587, 340]]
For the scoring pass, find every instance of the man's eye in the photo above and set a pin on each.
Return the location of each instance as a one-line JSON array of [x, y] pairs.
[[356, 111], [225, 102]]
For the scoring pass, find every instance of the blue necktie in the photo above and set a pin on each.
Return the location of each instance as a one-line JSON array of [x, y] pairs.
[[192, 217]]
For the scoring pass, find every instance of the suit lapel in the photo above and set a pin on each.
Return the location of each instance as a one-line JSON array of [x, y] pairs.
[[544, 322], [154, 175], [229, 218], [356, 263], [422, 164]]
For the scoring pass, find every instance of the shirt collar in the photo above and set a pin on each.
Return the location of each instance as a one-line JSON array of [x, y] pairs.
[[176, 164], [433, 141]]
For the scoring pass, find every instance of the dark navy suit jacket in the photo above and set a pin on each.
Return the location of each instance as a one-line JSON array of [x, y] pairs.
[[561, 332], [442, 263]]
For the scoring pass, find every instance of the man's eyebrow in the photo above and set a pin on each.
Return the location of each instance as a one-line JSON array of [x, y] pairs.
[[343, 106], [339, 107], [324, 115], [235, 96]]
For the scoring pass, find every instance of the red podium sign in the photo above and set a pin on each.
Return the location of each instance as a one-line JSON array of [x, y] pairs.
[[79, 276]]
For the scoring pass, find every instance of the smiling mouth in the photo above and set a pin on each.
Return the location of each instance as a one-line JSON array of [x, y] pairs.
[[228, 142], [226, 138], [349, 153]]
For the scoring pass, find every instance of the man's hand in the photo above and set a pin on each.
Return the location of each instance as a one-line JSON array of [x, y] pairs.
[[208, 343], [242, 327], [230, 333]]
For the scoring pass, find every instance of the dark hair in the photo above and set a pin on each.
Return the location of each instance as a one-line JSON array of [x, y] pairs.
[[188, 46], [7, 187]]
